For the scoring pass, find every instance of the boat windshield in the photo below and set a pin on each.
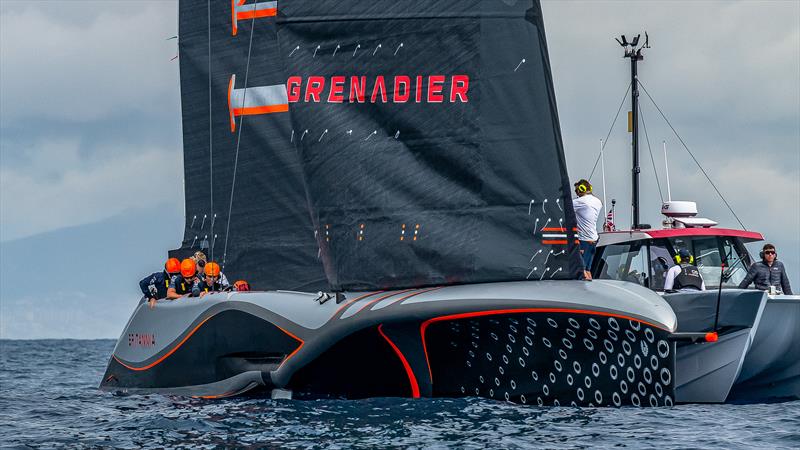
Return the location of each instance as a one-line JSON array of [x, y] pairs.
[[624, 262], [647, 262], [709, 253]]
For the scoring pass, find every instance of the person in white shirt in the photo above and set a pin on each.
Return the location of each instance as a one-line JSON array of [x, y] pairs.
[[685, 276], [587, 209]]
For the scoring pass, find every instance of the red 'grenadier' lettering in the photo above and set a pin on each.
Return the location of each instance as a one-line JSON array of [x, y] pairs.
[[380, 86], [401, 91], [314, 88], [435, 83], [337, 88]]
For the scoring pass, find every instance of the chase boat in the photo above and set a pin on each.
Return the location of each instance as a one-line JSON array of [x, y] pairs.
[[755, 350]]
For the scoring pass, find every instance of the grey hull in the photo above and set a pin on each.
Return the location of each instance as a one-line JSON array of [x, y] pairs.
[[771, 368], [551, 342], [757, 357]]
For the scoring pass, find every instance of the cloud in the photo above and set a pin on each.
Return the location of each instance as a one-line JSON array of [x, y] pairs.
[[58, 188], [94, 60]]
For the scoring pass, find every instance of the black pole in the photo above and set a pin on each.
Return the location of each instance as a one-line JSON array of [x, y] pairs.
[[634, 52], [635, 57]]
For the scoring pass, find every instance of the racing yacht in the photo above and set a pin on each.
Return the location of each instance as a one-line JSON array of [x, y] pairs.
[[390, 178]]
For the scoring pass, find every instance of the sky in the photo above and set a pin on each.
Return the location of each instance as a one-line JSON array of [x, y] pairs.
[[90, 135]]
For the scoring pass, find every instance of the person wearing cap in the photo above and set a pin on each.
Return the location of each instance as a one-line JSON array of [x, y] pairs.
[[210, 281], [155, 285], [587, 209], [684, 276], [182, 283], [201, 260], [768, 273]]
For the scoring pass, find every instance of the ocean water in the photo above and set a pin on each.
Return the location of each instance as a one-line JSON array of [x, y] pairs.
[[49, 398]]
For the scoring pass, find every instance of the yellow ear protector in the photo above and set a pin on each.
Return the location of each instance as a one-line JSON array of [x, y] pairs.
[[582, 188], [678, 259]]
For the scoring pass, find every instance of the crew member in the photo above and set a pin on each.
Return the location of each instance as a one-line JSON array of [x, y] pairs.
[[154, 286], [182, 283], [684, 276], [587, 209], [768, 272], [201, 260], [209, 283]]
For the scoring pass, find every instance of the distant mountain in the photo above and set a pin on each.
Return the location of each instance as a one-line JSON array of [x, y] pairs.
[[82, 281]]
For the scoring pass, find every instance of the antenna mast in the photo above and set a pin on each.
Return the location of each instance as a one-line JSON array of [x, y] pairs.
[[634, 52]]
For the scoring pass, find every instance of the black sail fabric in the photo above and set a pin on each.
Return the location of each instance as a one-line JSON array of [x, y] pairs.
[[270, 240], [372, 144], [429, 141]]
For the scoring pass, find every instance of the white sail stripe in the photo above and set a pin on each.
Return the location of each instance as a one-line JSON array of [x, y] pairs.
[[256, 6], [260, 96], [563, 236]]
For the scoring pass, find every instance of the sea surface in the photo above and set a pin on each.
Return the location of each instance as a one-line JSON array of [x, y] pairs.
[[49, 398]]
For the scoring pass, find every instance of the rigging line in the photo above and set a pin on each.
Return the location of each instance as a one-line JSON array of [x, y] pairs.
[[238, 141], [693, 157], [647, 138], [609, 130], [210, 136]]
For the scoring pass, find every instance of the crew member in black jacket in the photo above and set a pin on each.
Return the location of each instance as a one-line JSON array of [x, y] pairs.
[[768, 272], [154, 286]]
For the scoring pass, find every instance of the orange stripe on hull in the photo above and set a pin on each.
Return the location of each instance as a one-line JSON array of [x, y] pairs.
[[553, 242], [158, 361]]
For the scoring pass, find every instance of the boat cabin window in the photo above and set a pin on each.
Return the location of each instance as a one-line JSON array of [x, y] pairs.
[[660, 262], [737, 262], [709, 253], [624, 262], [647, 262], [706, 254]]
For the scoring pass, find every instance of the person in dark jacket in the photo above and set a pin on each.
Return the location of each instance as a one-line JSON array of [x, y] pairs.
[[154, 286], [768, 272], [210, 281], [182, 283]]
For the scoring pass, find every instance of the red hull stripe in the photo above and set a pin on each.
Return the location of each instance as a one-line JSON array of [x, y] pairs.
[[372, 302], [361, 297], [495, 312], [411, 378]]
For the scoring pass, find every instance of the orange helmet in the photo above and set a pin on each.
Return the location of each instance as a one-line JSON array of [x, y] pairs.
[[241, 286], [173, 265], [212, 269], [188, 269]]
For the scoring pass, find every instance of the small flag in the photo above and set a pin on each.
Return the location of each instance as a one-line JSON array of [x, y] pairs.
[[242, 11], [609, 224], [255, 100]]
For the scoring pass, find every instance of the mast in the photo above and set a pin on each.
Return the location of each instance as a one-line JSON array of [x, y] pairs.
[[635, 55]]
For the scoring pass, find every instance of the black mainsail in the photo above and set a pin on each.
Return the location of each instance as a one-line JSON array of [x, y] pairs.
[[394, 144]]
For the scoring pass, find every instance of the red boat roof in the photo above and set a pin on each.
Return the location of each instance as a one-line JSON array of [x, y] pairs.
[[635, 235], [677, 232]]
